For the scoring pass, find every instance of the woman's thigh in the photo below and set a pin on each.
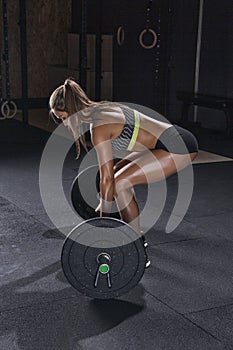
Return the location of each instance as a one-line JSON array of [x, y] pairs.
[[126, 160], [151, 166]]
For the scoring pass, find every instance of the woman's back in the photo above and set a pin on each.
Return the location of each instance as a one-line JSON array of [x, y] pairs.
[[119, 120]]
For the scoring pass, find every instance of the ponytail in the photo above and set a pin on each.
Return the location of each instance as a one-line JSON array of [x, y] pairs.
[[71, 98]]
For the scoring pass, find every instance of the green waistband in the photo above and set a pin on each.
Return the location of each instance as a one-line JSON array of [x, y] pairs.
[[135, 132]]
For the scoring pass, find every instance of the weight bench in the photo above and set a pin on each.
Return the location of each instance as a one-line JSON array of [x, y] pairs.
[[210, 101]]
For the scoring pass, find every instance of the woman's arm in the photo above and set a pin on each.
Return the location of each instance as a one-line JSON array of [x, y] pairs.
[[100, 137]]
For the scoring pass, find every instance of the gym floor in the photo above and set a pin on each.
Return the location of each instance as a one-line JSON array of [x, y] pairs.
[[184, 300]]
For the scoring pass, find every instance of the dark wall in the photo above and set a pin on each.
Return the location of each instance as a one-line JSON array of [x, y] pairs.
[[47, 24], [217, 48], [216, 66], [134, 67], [183, 37], [135, 76], [216, 60]]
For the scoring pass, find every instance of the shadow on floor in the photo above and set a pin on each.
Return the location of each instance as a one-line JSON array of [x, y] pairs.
[[68, 319]]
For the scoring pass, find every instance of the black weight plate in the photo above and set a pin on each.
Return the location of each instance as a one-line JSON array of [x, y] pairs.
[[103, 235], [85, 193]]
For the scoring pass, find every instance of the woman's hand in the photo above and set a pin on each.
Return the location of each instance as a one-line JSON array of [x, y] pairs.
[[104, 208]]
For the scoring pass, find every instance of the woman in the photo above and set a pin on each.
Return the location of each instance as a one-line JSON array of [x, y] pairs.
[[155, 149]]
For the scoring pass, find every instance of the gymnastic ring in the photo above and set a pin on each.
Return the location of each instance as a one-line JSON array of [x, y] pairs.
[[120, 35], [5, 110], [8, 114], [154, 38]]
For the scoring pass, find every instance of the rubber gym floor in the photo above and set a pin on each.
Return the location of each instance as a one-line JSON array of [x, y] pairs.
[[184, 300]]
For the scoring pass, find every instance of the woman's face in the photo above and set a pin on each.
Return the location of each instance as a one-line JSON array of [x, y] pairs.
[[61, 115]]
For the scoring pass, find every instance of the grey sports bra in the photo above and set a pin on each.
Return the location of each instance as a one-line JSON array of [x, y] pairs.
[[127, 138]]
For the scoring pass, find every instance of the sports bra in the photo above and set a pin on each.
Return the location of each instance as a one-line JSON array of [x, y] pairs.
[[127, 139]]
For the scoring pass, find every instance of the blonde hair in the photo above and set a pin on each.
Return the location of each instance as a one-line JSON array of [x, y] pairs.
[[71, 98]]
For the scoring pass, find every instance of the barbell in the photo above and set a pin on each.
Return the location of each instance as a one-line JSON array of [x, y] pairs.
[[102, 258]]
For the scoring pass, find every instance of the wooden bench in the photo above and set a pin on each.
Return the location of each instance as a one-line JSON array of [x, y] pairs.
[[216, 102]]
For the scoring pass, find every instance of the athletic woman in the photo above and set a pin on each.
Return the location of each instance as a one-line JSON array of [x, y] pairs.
[[154, 149]]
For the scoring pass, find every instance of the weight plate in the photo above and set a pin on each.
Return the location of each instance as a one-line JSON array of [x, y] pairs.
[[85, 193], [97, 237]]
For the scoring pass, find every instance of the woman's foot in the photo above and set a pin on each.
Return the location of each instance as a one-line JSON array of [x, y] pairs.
[[145, 246], [147, 260], [144, 241]]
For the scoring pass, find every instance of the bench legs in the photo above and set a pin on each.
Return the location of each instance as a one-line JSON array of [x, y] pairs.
[[228, 113], [229, 120], [185, 111]]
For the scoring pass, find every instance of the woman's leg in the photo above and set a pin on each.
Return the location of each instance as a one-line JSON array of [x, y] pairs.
[[122, 163], [126, 160], [147, 167]]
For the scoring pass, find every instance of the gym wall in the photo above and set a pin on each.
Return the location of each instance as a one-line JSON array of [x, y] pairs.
[[182, 43], [47, 25], [216, 64], [216, 58], [135, 75], [134, 68], [13, 47]]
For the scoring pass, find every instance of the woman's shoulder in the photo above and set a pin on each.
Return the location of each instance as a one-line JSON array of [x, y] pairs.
[[107, 119], [108, 111], [107, 106]]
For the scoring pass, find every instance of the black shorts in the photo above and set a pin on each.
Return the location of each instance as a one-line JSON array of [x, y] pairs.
[[177, 140]]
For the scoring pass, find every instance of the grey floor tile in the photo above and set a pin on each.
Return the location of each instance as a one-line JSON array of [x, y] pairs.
[[136, 322], [26, 194], [184, 231], [213, 190], [191, 275], [30, 259], [218, 321], [220, 225]]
